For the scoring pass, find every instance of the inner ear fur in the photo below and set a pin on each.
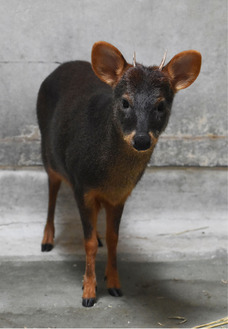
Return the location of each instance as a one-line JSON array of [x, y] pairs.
[[108, 63], [183, 69]]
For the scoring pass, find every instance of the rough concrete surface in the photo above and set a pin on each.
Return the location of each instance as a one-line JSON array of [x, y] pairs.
[[38, 35], [172, 254]]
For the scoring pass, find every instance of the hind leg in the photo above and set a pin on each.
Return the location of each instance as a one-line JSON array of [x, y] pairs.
[[54, 183], [99, 242]]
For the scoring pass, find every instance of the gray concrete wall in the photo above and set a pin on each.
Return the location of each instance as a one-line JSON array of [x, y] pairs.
[[37, 34]]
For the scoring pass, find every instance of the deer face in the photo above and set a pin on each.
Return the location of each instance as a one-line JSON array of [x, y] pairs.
[[143, 95], [142, 105]]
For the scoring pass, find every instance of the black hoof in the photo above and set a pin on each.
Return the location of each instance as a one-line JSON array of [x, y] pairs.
[[88, 302], [100, 244], [46, 247], [115, 292]]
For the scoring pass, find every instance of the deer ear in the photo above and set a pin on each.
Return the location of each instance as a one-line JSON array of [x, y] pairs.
[[108, 63], [183, 69]]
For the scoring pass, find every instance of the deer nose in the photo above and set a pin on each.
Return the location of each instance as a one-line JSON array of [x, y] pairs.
[[142, 142]]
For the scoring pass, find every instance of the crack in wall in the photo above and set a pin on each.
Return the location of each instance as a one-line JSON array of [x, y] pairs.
[[30, 62], [188, 137], [31, 133]]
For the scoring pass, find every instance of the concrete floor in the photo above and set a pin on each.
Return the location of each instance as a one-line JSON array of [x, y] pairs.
[[172, 254]]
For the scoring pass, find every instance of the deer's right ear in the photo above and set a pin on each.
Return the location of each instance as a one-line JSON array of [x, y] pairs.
[[183, 69], [108, 63]]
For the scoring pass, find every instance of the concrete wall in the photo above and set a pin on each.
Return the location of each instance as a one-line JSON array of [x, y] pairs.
[[37, 34]]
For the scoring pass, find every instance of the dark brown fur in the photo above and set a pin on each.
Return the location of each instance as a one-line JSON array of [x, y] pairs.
[[99, 125]]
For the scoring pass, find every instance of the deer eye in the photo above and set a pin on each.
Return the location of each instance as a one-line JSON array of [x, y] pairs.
[[125, 103]]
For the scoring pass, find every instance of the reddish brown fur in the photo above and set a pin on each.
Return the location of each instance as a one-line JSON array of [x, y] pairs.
[[112, 212], [54, 185], [119, 66], [89, 282], [91, 245], [183, 69]]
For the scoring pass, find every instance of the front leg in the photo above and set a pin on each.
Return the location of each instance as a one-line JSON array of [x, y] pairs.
[[89, 214], [89, 282], [113, 217]]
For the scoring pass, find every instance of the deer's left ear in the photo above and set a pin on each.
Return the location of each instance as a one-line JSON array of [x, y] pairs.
[[183, 69]]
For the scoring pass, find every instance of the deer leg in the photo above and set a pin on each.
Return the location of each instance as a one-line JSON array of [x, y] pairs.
[[89, 221], [113, 217], [100, 243], [54, 183]]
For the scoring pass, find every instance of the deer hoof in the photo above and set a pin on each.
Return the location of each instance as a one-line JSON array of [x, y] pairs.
[[88, 302], [115, 292], [100, 243], [46, 247]]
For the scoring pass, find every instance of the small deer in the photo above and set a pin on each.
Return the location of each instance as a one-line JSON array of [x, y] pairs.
[[99, 125]]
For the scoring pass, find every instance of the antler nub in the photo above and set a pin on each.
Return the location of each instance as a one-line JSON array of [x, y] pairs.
[[134, 59], [163, 61]]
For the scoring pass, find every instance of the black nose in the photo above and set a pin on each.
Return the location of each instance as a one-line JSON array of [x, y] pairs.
[[141, 142]]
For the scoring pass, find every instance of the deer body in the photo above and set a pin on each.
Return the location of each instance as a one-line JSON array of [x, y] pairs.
[[99, 125]]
